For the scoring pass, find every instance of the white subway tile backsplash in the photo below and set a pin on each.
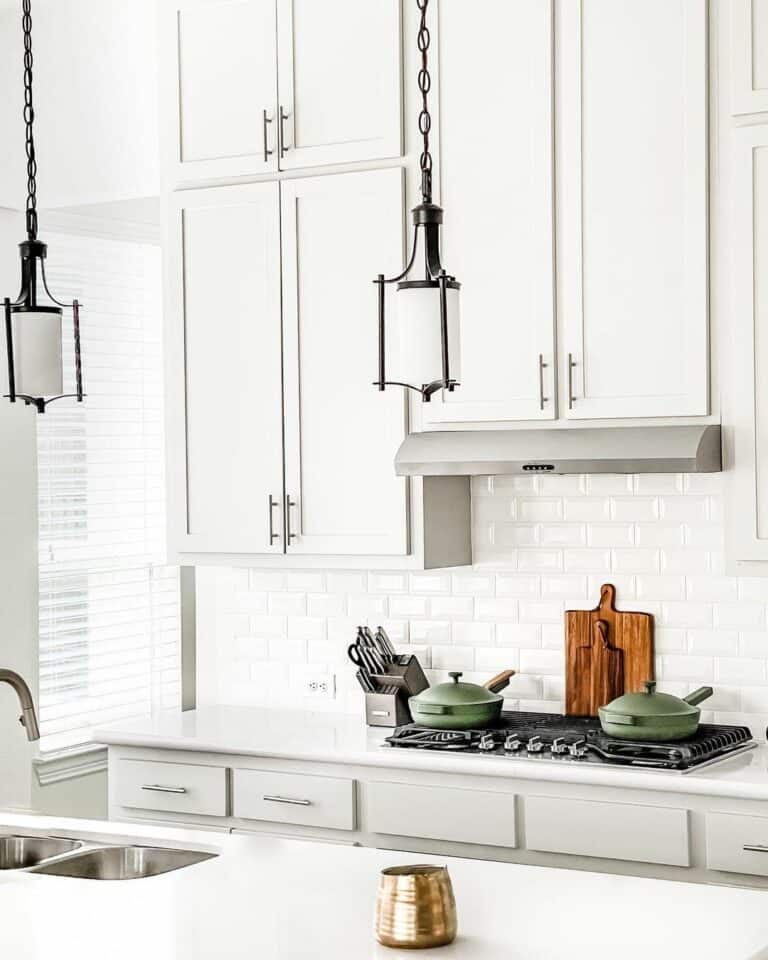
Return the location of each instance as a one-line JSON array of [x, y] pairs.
[[542, 544]]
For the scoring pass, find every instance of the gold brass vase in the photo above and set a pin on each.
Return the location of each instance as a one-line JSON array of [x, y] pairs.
[[415, 907]]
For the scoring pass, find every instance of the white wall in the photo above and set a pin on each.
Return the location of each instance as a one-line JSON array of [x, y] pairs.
[[542, 544], [95, 89], [18, 549]]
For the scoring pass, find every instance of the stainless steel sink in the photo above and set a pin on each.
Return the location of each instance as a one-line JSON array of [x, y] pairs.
[[19, 853], [122, 863]]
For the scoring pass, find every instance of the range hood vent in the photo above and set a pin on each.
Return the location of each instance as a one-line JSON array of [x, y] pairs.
[[677, 449]]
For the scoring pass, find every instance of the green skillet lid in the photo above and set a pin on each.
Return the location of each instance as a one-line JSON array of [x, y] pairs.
[[456, 694], [648, 703]]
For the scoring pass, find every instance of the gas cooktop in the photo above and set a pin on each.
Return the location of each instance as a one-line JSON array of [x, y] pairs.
[[551, 737]]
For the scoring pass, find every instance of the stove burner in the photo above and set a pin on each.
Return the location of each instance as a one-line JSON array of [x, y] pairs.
[[548, 736]]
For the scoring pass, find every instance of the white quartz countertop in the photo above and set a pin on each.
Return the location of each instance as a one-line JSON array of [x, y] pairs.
[[342, 738], [276, 899]]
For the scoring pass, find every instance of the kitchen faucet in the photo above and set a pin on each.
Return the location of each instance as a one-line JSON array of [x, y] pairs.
[[28, 718]]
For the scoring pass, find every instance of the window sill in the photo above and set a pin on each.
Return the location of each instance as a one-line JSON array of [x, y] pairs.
[[57, 766]]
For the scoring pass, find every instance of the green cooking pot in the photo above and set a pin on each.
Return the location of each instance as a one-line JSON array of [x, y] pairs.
[[653, 716], [460, 706]]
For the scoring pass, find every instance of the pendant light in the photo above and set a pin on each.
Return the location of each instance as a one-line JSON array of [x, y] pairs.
[[427, 308], [33, 330]]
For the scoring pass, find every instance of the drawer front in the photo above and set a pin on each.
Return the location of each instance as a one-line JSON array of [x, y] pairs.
[[441, 813], [737, 843], [175, 787], [294, 798], [615, 831]]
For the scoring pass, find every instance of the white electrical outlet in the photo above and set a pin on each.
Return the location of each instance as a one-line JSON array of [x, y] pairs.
[[319, 685]]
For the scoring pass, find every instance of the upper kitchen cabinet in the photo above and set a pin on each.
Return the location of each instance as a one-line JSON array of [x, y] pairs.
[[280, 449], [255, 86], [339, 79], [496, 180], [632, 207], [747, 383], [219, 88], [223, 375], [749, 56], [341, 435]]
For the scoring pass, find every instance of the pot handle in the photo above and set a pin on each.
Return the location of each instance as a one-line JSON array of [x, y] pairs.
[[624, 719], [703, 693], [431, 708], [500, 681]]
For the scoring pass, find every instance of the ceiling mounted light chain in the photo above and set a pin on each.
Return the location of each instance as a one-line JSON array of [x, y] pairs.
[[33, 330], [428, 308]]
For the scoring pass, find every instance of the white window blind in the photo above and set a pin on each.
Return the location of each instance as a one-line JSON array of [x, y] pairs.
[[109, 607]]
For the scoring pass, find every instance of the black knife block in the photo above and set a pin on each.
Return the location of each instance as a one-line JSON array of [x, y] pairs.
[[391, 709]]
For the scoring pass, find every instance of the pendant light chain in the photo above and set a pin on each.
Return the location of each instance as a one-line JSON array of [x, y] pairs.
[[29, 119], [425, 118]]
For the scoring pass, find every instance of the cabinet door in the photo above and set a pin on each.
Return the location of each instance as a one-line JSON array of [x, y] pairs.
[[749, 56], [746, 389], [632, 207], [339, 80], [341, 434], [224, 369], [498, 234], [219, 67]]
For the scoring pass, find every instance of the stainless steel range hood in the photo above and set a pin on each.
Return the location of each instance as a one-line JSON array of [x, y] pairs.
[[678, 449]]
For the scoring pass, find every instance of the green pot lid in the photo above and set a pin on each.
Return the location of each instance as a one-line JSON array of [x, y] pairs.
[[456, 694], [650, 704]]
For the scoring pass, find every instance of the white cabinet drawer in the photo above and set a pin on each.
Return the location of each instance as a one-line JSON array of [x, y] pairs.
[[737, 843], [440, 813], [616, 831], [176, 787], [294, 798]]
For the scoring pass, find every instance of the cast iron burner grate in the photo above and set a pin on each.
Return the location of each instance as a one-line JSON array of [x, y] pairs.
[[515, 731]]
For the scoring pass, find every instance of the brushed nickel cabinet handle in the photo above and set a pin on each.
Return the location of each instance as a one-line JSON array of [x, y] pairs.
[[267, 152], [160, 788], [289, 504], [291, 800], [542, 398], [281, 132], [571, 365], [755, 848], [272, 504]]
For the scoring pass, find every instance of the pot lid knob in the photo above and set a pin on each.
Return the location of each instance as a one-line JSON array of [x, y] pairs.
[[455, 675], [650, 686]]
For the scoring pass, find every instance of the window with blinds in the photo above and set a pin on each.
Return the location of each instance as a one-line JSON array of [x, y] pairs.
[[109, 607]]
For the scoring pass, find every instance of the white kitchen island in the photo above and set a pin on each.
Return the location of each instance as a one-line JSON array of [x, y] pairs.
[[265, 898]]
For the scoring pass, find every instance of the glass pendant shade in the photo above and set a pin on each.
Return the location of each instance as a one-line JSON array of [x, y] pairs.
[[37, 352], [418, 359]]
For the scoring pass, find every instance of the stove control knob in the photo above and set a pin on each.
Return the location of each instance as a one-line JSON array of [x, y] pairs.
[[512, 743], [578, 750], [487, 742], [534, 745], [559, 746]]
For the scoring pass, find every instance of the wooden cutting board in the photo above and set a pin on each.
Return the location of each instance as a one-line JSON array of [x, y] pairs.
[[607, 652]]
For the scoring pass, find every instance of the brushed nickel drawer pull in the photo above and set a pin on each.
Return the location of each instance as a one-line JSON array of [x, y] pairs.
[[296, 803], [542, 398], [159, 788], [267, 152], [755, 848]]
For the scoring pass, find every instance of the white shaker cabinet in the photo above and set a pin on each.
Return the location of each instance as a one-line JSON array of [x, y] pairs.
[[219, 87], [496, 99], [250, 87], [339, 78], [632, 207], [747, 392], [223, 379], [341, 434], [749, 56]]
